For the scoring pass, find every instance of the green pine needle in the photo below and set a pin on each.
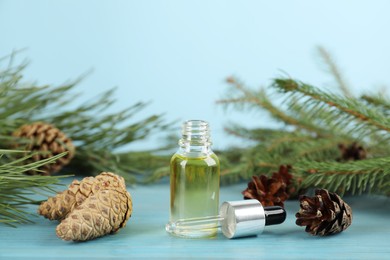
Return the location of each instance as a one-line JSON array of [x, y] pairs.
[[356, 177], [98, 135], [18, 189], [315, 123]]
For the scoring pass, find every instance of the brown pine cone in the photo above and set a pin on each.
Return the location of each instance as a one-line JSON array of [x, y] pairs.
[[58, 207], [324, 214], [102, 213], [91, 208], [47, 141], [352, 152], [269, 191], [283, 174], [291, 183]]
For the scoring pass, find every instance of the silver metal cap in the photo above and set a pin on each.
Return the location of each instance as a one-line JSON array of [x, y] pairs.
[[242, 218]]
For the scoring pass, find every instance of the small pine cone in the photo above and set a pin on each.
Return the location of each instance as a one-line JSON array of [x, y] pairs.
[[47, 141], [58, 207], [269, 191], [353, 152], [324, 214], [102, 213]]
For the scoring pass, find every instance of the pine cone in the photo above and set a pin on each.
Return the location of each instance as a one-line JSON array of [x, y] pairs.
[[291, 184], [353, 152], [284, 175], [102, 213], [58, 207], [91, 208], [269, 191], [324, 214], [47, 141]]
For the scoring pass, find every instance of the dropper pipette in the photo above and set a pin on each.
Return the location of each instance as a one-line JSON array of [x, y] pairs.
[[236, 219]]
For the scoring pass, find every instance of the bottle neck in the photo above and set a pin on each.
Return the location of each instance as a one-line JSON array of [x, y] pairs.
[[195, 137]]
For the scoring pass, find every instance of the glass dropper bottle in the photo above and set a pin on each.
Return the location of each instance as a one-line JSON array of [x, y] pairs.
[[236, 219], [194, 180]]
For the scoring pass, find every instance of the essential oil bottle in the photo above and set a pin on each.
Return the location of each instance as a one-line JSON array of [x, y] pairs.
[[194, 180]]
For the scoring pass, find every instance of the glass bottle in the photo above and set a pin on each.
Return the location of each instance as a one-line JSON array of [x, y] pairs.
[[194, 180]]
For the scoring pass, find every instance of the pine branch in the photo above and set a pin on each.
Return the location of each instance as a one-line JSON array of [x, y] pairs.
[[380, 101], [320, 133], [260, 100], [345, 106], [18, 189], [311, 139], [334, 70], [356, 177], [319, 116], [313, 154], [96, 133]]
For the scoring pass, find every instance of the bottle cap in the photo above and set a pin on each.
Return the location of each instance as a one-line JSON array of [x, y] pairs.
[[242, 218], [248, 217]]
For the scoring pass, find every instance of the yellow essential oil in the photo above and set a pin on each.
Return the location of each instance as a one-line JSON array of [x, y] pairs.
[[194, 181]]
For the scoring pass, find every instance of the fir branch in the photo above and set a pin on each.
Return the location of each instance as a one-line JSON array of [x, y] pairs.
[[318, 125], [318, 116], [347, 106], [379, 100], [334, 70], [313, 137], [260, 100], [356, 177]]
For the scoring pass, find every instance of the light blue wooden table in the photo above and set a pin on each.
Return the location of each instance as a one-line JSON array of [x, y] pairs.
[[145, 237]]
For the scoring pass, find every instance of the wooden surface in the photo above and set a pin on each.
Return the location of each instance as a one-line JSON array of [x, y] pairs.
[[145, 237]]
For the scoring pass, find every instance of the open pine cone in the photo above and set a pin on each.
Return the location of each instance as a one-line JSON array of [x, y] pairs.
[[269, 191], [91, 208], [61, 205], [324, 214], [47, 141]]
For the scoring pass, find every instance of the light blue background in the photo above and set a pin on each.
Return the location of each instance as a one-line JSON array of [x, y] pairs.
[[178, 53]]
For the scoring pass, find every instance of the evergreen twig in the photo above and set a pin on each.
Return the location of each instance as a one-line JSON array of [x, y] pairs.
[[18, 189], [316, 123], [97, 134], [380, 101], [260, 99], [348, 106], [334, 71], [371, 175]]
